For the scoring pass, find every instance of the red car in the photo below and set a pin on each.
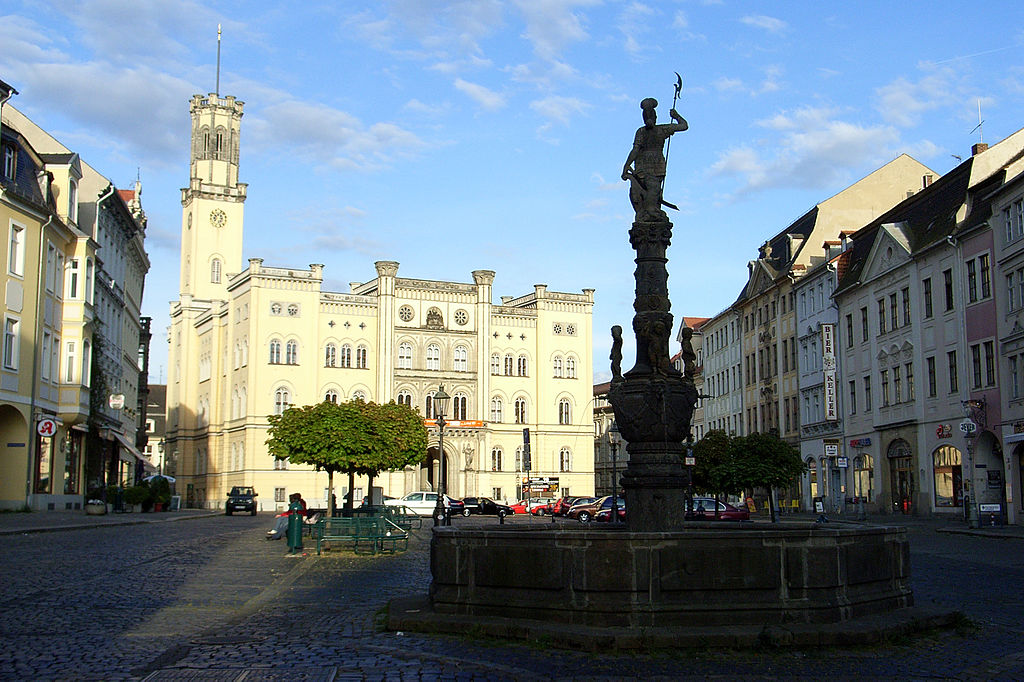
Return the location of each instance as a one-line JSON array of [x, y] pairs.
[[704, 510], [562, 505], [519, 507]]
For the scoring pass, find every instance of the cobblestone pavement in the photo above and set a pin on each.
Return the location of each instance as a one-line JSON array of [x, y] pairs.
[[211, 599]]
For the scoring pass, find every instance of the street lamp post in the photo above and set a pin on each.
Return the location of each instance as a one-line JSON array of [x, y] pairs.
[[440, 406], [614, 444]]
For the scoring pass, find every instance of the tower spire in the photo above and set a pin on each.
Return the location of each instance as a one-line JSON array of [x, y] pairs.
[[217, 90]]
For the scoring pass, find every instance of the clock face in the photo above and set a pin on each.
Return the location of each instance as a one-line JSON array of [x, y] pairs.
[[218, 218]]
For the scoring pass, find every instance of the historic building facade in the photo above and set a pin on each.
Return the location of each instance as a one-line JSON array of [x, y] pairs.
[[250, 344]]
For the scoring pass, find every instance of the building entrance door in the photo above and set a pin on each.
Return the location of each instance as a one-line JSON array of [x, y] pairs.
[[901, 476]]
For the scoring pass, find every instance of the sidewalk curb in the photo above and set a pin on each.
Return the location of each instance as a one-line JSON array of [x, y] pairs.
[[103, 524]]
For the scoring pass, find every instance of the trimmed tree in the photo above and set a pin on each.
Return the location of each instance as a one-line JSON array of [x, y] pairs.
[[711, 467], [765, 460], [354, 438]]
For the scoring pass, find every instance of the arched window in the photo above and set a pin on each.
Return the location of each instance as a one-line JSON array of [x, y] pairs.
[[361, 357], [405, 355], [496, 409], [521, 410], [359, 395], [346, 355], [948, 476], [331, 396], [282, 399], [570, 368], [433, 357], [521, 366], [330, 355], [508, 365], [242, 404], [291, 353], [245, 352], [557, 367], [405, 398], [460, 359], [564, 411], [496, 459], [73, 201], [495, 364], [519, 459], [428, 407], [564, 460], [215, 271], [459, 403], [275, 352]]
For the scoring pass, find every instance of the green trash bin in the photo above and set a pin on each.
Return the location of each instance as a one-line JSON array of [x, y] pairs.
[[294, 532]]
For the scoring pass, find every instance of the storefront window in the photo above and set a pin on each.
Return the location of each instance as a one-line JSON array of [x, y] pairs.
[[901, 468], [864, 477], [72, 457], [44, 468], [948, 476], [812, 477]]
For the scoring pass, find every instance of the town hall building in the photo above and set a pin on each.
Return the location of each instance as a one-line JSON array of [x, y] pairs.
[[247, 345]]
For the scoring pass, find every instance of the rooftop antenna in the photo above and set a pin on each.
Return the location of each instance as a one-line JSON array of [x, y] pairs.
[[981, 132], [218, 62]]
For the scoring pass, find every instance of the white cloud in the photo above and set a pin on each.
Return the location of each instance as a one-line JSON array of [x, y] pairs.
[[486, 98], [770, 24], [724, 84], [633, 26], [416, 106], [330, 136], [902, 102], [812, 149], [559, 109], [551, 25]]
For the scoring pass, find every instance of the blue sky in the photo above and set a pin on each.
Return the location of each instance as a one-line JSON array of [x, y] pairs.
[[490, 134]]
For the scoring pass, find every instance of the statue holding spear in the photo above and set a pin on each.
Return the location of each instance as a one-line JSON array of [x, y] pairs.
[[646, 164]]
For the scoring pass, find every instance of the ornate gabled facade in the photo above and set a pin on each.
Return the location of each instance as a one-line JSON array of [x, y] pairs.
[[48, 321], [246, 343]]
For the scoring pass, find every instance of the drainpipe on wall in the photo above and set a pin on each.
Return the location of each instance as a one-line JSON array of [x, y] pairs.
[[31, 444]]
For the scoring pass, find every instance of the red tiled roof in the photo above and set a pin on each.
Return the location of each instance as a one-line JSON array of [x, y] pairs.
[[695, 322], [127, 195]]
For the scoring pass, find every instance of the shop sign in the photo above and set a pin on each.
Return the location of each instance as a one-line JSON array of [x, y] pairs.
[[456, 423], [860, 443], [46, 427], [944, 430], [842, 462], [989, 508], [831, 397], [831, 449], [968, 427], [116, 401], [546, 486]]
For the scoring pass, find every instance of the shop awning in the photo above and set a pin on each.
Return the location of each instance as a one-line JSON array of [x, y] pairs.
[[129, 447]]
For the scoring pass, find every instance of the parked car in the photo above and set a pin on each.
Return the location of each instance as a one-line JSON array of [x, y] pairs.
[[485, 505], [421, 502], [584, 513], [455, 507], [562, 505], [241, 498], [519, 507], [604, 515], [540, 508], [704, 510]]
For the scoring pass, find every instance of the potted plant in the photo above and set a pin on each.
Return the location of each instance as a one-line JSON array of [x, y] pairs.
[[136, 495], [160, 489]]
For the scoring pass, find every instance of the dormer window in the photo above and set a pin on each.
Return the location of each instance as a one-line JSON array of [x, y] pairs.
[[73, 202], [10, 161]]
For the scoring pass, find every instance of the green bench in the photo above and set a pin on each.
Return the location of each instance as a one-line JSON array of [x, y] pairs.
[[363, 534], [402, 517]]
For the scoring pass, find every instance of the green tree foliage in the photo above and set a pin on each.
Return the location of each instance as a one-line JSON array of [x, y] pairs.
[[364, 438], [711, 454], [763, 460], [354, 437]]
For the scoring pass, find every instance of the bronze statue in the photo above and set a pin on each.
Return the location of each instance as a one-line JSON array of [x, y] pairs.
[[616, 356], [647, 158]]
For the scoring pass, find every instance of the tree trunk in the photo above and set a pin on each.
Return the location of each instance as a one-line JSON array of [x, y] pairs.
[[369, 489], [771, 503], [349, 499], [330, 493]]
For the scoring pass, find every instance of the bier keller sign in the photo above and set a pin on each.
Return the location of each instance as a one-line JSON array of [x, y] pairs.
[[828, 365]]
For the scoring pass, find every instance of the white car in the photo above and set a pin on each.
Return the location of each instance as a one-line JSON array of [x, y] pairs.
[[420, 502]]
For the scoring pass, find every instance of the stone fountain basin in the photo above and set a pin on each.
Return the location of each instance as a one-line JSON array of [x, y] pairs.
[[712, 577]]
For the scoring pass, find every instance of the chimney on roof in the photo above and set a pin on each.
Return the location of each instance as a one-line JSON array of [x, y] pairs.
[[978, 148], [926, 180]]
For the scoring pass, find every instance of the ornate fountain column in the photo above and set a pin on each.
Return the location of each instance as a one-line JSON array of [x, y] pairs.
[[653, 402]]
